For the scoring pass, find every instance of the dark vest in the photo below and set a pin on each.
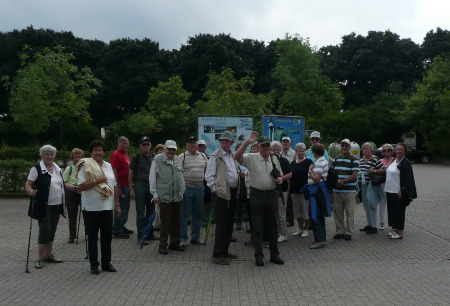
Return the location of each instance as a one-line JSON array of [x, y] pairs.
[[38, 209]]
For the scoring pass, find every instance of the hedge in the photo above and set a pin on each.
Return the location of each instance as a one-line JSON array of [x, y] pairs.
[[13, 175]]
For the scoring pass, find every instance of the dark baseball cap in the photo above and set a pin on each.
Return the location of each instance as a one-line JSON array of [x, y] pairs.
[[144, 138], [191, 138]]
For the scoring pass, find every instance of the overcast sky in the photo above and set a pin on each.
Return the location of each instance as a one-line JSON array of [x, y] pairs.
[[172, 22]]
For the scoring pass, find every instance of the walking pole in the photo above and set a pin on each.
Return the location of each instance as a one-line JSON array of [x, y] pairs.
[[208, 226], [78, 230], [29, 236]]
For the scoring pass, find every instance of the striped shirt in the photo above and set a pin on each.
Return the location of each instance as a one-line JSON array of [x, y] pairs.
[[344, 167], [194, 166], [365, 165], [320, 166]]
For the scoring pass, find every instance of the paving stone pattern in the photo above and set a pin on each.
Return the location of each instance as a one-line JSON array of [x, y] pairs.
[[369, 270]]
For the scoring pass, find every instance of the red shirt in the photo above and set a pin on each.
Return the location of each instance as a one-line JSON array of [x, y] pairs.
[[121, 162]]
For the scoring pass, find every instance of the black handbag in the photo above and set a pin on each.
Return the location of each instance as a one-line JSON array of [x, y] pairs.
[[377, 179]]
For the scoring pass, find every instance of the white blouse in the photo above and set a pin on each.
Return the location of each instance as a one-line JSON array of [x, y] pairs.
[[91, 199]]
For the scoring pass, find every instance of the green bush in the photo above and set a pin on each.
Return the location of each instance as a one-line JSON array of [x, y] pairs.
[[25, 153], [13, 174]]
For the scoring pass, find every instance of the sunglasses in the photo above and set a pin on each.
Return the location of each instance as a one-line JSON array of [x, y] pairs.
[[315, 139], [386, 150], [145, 144], [344, 145]]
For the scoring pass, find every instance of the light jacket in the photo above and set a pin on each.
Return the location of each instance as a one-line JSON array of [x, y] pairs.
[[169, 179], [222, 188], [93, 171]]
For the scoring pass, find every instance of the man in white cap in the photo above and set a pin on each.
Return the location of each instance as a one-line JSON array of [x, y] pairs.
[[222, 176], [167, 187], [313, 139], [202, 146], [347, 168], [287, 151]]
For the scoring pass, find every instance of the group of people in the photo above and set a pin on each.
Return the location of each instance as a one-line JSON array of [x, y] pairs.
[[179, 187]]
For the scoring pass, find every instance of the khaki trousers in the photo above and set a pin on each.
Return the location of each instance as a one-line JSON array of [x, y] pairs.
[[344, 202]]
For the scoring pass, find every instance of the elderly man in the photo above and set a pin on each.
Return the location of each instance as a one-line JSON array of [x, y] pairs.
[[167, 187], [139, 186], [120, 163], [222, 176], [313, 139], [263, 195], [194, 165], [347, 167], [202, 146], [287, 151]]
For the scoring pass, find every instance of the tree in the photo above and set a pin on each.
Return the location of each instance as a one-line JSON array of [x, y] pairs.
[[165, 113], [305, 90], [49, 89], [428, 110], [225, 95], [436, 43]]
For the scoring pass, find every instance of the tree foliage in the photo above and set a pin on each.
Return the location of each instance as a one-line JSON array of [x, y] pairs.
[[428, 110], [305, 90]]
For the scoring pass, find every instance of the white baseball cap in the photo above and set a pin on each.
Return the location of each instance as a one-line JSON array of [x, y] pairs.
[[170, 144], [201, 142]]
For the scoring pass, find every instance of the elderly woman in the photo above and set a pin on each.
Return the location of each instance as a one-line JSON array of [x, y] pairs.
[[387, 150], [369, 164], [400, 189], [159, 149], [275, 148], [299, 178], [73, 196], [320, 206], [100, 195], [45, 185]]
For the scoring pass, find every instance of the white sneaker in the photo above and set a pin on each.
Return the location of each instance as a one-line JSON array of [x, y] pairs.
[[297, 233], [282, 238], [382, 226], [305, 234]]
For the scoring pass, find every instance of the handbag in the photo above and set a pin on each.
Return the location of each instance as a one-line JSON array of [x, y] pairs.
[[377, 179]]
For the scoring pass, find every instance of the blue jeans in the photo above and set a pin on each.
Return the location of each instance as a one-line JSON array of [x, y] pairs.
[[119, 222], [319, 229], [371, 212], [192, 204], [144, 208], [240, 211]]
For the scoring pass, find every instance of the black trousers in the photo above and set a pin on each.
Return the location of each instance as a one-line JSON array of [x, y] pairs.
[[225, 212], [73, 202], [170, 224], [396, 211], [96, 221], [264, 207]]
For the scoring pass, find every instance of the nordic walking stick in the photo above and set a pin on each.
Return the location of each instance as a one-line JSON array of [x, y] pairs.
[[29, 237], [78, 230], [208, 226]]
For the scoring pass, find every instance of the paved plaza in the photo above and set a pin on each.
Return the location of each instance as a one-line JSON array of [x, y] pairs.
[[369, 270]]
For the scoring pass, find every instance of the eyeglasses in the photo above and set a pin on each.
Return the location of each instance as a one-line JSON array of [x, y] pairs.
[[315, 139], [145, 144], [344, 145], [170, 149], [386, 150]]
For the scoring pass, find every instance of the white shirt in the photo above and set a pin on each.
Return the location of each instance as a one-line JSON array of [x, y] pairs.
[[392, 184], [56, 191], [232, 174], [91, 199]]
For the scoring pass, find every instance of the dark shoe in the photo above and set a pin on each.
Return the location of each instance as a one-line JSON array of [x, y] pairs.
[[153, 238], [277, 260], [178, 248], [109, 268], [198, 242], [52, 259], [248, 243], [128, 231], [39, 264], [249, 231], [71, 240], [230, 256], [221, 261], [233, 239], [339, 236], [94, 270], [348, 237], [140, 242], [289, 224], [373, 230], [265, 244], [156, 229], [238, 227], [259, 261], [121, 235], [163, 251], [365, 229]]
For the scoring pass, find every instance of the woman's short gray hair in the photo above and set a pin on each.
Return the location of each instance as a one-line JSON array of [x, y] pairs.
[[47, 148], [300, 146], [274, 144], [367, 144], [388, 145]]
